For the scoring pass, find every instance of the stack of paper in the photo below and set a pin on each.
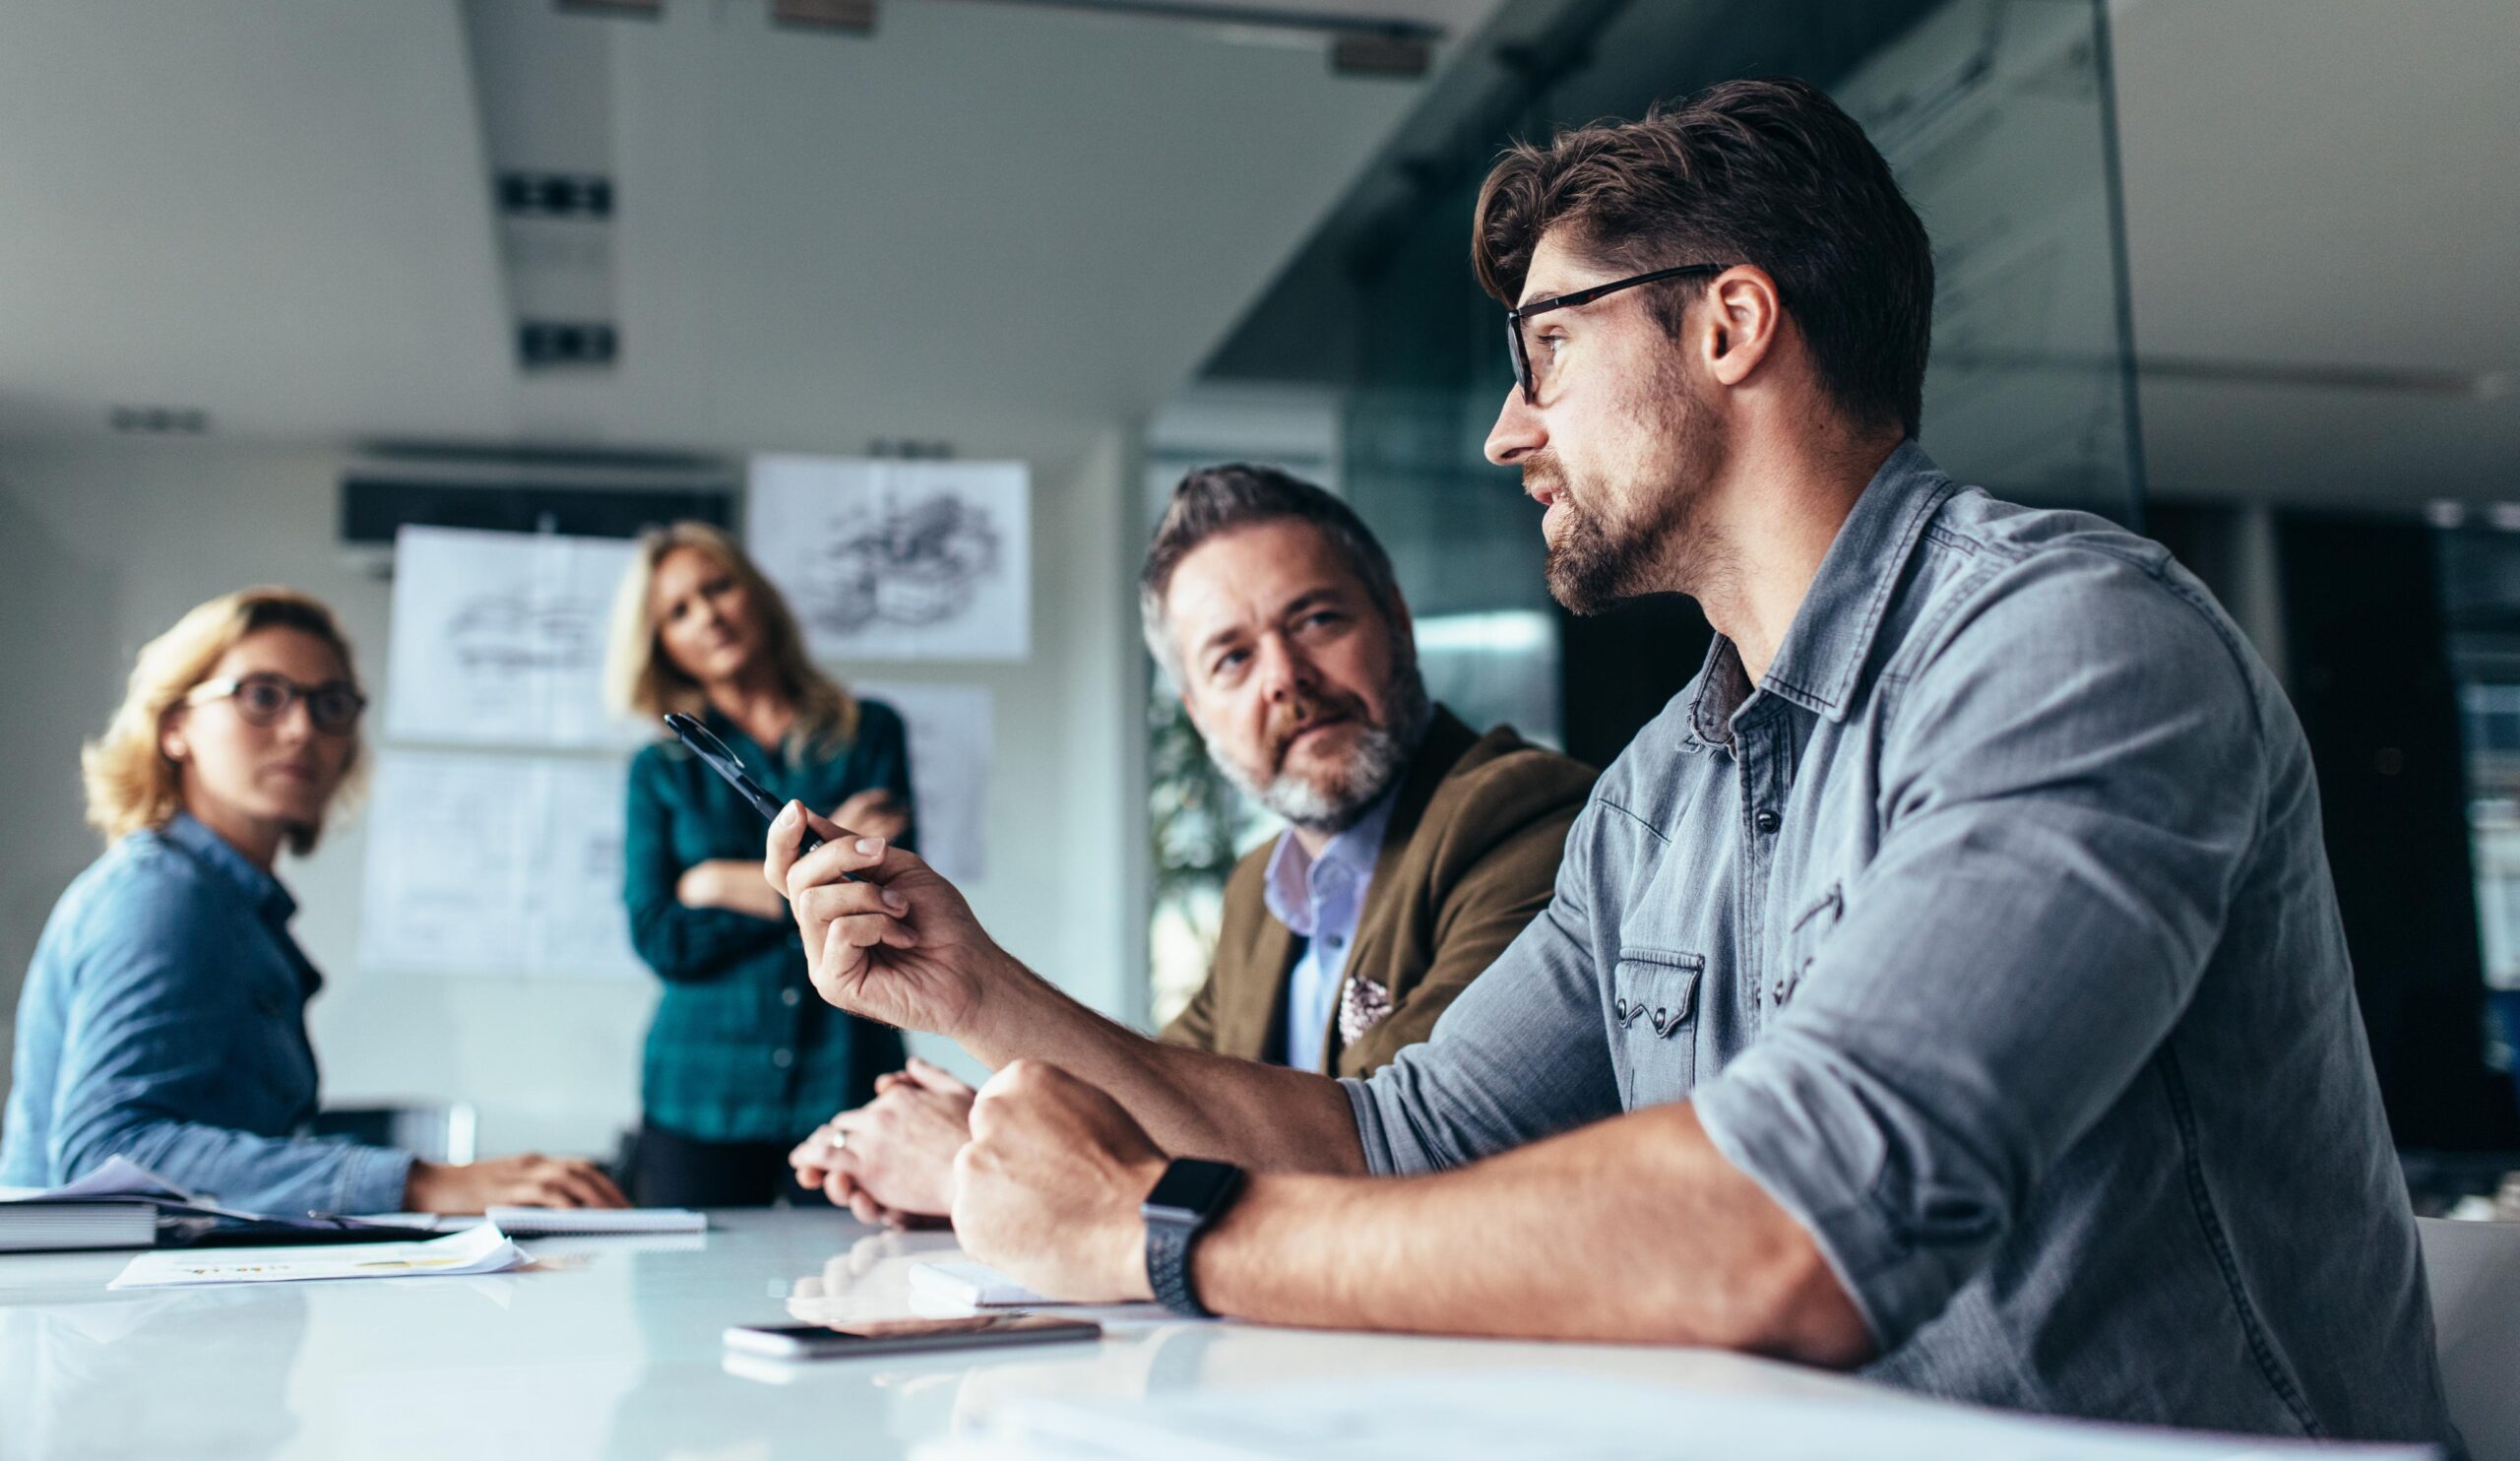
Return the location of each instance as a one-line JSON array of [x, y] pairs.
[[533, 1220], [116, 1206], [44, 1225], [482, 1250], [972, 1285]]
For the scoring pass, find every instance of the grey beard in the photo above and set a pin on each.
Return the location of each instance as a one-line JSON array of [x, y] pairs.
[[1381, 759]]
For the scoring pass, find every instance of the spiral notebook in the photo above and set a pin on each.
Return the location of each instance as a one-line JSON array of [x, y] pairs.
[[552, 1222]]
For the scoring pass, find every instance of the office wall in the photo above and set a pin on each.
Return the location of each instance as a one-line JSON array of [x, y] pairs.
[[102, 544]]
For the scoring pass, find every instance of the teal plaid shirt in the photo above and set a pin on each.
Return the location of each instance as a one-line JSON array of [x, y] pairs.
[[741, 1048]]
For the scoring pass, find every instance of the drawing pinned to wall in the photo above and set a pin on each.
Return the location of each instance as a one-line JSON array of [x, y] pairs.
[[495, 864], [499, 638], [897, 560], [949, 758]]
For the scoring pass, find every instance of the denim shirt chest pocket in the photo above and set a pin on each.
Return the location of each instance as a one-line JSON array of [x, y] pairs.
[[1654, 1023]]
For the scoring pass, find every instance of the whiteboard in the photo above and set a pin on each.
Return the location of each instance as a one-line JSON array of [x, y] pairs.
[[949, 758], [498, 639], [897, 560], [496, 865]]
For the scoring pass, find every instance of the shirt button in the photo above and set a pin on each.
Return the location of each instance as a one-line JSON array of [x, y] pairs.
[[1766, 820], [1335, 941], [782, 1058], [789, 998]]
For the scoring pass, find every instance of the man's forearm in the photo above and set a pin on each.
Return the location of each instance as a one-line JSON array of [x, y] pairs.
[[1194, 1104], [1634, 1230]]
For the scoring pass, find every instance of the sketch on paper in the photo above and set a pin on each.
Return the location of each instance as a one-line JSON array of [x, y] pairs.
[[495, 864], [498, 639], [949, 758], [919, 564], [897, 561]]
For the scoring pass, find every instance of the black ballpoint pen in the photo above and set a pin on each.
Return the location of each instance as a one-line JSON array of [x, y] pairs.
[[723, 761]]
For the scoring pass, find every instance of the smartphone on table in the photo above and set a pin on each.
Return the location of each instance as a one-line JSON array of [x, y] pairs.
[[904, 1336]]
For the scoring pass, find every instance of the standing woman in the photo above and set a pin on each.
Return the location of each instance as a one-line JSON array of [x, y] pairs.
[[164, 1016], [743, 1060]]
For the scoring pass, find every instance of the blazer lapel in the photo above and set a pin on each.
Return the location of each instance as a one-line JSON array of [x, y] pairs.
[[1386, 898]]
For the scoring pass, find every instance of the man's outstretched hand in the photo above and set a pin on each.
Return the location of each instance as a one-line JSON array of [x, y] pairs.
[[886, 937]]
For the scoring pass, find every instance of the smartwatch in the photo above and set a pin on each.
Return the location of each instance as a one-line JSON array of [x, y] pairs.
[[1185, 1200]]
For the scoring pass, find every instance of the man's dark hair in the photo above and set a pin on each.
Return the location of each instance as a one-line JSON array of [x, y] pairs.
[[1215, 501], [1767, 172]]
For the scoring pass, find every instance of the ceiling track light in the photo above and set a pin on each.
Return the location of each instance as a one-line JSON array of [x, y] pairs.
[[849, 16], [1359, 45]]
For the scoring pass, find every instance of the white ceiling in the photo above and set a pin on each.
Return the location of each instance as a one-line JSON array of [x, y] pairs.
[[1000, 225], [1006, 226], [2325, 190]]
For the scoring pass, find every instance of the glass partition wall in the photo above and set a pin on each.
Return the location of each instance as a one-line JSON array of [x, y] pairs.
[[1375, 365]]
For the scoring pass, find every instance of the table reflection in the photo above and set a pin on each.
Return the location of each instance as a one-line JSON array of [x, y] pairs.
[[98, 1377]]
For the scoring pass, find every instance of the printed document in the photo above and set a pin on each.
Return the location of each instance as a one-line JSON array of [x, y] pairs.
[[482, 1250]]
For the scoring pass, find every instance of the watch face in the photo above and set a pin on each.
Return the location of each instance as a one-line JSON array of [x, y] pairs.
[[1191, 1188]]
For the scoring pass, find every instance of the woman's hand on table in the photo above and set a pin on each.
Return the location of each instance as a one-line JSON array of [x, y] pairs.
[[528, 1180]]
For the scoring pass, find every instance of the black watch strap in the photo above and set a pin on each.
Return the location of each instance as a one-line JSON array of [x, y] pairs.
[[1188, 1197], [1167, 1268]]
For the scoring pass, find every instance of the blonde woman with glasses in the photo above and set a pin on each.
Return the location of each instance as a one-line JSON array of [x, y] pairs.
[[164, 1015], [742, 1060]]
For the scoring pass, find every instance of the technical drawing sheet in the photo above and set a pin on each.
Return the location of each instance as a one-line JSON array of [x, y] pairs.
[[499, 639], [897, 561]]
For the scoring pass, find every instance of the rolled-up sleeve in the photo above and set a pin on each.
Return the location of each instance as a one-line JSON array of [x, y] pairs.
[[2071, 779], [1519, 1057]]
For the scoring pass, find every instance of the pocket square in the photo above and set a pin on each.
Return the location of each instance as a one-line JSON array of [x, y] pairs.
[[1365, 1004]]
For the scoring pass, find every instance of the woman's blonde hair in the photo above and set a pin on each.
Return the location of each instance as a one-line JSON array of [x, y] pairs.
[[132, 784], [640, 679]]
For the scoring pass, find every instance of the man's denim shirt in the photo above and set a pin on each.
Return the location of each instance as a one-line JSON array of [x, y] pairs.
[[164, 1020], [1993, 936]]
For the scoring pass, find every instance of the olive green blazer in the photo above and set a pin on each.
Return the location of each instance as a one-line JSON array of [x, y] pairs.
[[1469, 858]]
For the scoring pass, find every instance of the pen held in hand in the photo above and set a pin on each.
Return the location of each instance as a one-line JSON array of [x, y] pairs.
[[710, 749]]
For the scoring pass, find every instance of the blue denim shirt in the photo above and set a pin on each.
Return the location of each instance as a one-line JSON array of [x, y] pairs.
[[1993, 936], [164, 1020]]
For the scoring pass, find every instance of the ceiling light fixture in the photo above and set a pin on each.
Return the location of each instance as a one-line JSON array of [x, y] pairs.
[[849, 17], [1359, 45]]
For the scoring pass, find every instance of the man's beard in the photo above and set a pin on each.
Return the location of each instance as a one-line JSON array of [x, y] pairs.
[[1379, 760], [1656, 542]]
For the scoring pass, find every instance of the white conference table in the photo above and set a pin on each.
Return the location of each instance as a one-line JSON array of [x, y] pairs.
[[611, 1348]]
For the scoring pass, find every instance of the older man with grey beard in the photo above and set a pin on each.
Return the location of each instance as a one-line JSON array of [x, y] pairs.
[[1415, 848]]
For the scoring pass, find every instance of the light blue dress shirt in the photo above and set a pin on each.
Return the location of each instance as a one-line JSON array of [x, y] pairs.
[[164, 1020], [1321, 899]]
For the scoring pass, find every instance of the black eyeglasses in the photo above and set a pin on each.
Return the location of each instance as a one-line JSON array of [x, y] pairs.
[[263, 698], [1524, 375]]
